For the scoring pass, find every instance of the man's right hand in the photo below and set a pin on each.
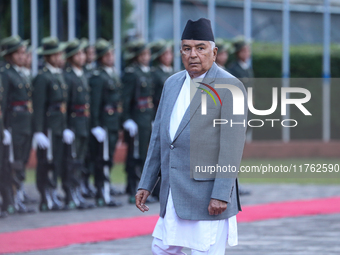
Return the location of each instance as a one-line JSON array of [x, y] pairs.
[[141, 197]]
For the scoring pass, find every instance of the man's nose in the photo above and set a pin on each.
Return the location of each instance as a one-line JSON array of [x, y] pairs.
[[193, 53]]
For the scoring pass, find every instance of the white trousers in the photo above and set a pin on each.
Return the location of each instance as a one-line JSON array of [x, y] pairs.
[[218, 248]]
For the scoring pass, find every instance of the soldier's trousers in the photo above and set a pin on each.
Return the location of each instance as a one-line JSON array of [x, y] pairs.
[[96, 157], [21, 148], [47, 174], [74, 164], [134, 166], [6, 190]]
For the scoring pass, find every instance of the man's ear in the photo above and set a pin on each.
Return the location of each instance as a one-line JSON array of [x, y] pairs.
[[215, 53]]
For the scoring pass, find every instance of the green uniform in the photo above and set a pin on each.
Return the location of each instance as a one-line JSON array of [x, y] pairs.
[[17, 110], [106, 112], [6, 191], [159, 77], [138, 105], [78, 113], [50, 107], [245, 75]]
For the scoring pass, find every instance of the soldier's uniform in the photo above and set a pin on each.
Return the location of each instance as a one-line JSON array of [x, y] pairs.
[[78, 120], [17, 114], [6, 191], [50, 108], [138, 106], [106, 111]]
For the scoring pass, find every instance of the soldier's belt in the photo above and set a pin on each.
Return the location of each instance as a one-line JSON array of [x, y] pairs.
[[80, 110], [57, 107], [21, 106], [144, 102], [112, 108]]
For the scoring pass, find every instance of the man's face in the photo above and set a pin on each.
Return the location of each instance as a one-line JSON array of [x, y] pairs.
[[197, 56], [244, 54], [90, 55], [79, 59], [222, 58], [108, 59], [167, 57], [144, 57], [18, 57], [56, 59]]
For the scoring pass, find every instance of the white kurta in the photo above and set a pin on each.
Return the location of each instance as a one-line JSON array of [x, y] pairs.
[[194, 234]]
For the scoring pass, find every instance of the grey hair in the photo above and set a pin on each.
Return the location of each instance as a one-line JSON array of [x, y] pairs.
[[212, 45]]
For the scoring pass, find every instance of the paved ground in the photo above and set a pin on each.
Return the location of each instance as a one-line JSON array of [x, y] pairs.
[[301, 235]]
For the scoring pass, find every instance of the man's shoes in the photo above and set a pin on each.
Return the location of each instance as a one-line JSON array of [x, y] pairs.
[[115, 192]]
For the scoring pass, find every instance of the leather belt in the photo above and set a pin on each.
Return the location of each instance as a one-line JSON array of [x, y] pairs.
[[57, 107], [144, 103], [21, 106], [80, 110], [112, 108]]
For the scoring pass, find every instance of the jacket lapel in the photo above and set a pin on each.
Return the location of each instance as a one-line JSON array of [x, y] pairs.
[[196, 101], [176, 88]]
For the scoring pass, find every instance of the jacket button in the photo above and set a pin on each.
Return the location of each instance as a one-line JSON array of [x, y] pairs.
[[172, 146]]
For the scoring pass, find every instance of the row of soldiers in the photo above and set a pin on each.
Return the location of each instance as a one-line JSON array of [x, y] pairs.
[[73, 110]]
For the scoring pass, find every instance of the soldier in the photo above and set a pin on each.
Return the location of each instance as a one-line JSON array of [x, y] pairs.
[[224, 48], [49, 123], [138, 112], [106, 110], [241, 68], [6, 192], [17, 113], [162, 57], [90, 57], [78, 113]]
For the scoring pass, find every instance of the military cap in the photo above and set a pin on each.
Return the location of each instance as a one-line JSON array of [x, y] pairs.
[[223, 45], [239, 42], [11, 44], [102, 47], [51, 45], [158, 48], [74, 46], [134, 48]]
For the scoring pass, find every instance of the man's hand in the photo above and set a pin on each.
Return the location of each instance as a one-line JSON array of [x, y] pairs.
[[141, 197], [216, 206]]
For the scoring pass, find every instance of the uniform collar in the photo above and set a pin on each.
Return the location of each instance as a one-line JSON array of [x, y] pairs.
[[77, 71], [244, 65], [145, 69], [109, 70], [166, 69], [52, 69]]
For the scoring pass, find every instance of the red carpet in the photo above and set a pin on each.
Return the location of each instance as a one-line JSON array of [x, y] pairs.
[[59, 236]]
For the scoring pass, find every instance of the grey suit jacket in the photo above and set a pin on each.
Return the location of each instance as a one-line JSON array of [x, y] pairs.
[[196, 143]]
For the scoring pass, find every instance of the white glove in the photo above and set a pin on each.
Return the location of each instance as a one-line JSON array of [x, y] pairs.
[[131, 126], [42, 141], [99, 133], [68, 136], [7, 138]]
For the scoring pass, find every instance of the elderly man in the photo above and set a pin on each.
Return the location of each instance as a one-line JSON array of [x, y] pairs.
[[199, 212]]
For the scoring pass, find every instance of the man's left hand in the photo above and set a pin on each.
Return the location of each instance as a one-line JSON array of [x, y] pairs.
[[216, 206]]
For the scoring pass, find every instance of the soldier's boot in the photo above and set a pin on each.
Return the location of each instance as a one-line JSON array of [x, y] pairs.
[[21, 207], [83, 204], [57, 205], [70, 200], [3, 214], [104, 199], [115, 192], [46, 202], [86, 188], [7, 207]]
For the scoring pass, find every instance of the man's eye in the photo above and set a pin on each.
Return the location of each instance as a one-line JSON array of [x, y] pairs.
[[200, 48], [186, 49]]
